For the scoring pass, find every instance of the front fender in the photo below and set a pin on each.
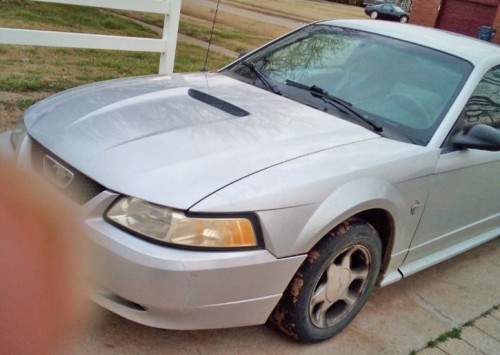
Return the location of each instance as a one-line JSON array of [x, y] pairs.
[[301, 227], [300, 201], [351, 199]]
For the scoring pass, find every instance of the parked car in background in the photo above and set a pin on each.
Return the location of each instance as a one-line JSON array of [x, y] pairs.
[[285, 186], [387, 12]]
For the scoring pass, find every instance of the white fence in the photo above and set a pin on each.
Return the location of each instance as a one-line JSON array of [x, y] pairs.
[[165, 46]]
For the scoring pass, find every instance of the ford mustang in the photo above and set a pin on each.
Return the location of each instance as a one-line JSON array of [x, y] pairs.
[[343, 155]]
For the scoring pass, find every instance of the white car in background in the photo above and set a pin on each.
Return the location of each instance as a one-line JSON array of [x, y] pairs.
[[344, 155]]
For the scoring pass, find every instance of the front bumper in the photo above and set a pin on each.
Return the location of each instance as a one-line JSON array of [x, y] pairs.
[[181, 289]]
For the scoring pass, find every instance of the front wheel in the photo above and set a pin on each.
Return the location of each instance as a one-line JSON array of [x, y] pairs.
[[332, 285], [374, 15], [403, 19]]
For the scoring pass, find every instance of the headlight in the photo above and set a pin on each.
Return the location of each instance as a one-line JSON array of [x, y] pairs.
[[18, 134], [165, 225]]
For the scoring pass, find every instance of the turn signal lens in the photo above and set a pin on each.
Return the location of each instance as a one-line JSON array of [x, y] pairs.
[[214, 232]]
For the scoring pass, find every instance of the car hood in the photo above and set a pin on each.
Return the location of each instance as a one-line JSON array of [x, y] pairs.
[[149, 137]]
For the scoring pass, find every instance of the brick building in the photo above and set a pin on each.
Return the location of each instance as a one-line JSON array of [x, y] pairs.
[[461, 16]]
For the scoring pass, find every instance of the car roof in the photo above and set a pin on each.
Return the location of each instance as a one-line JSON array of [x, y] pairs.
[[469, 48]]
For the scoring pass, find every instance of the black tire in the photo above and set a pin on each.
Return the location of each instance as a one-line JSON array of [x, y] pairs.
[[314, 308], [404, 19], [374, 15]]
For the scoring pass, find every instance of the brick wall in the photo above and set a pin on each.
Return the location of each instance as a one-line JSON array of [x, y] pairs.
[[425, 12], [496, 25]]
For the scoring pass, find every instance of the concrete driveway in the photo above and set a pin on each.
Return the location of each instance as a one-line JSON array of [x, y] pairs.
[[398, 319]]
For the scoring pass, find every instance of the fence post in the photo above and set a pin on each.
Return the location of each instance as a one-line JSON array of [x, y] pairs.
[[170, 29]]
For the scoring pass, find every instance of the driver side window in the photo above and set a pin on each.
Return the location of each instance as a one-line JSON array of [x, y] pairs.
[[483, 106]]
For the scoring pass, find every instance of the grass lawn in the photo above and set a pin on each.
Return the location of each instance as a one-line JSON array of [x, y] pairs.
[[304, 10]]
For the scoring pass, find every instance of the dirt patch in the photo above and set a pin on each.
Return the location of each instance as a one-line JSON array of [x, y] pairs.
[[8, 117], [13, 97], [13, 105]]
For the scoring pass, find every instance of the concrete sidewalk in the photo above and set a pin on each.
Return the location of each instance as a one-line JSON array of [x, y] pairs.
[[399, 319], [479, 336]]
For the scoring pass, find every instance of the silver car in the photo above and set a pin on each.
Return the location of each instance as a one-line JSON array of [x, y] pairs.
[[344, 155]]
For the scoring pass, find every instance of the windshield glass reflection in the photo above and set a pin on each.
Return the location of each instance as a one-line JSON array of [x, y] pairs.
[[402, 85]]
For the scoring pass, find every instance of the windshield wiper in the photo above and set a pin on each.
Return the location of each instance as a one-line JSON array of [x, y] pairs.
[[336, 102], [264, 80]]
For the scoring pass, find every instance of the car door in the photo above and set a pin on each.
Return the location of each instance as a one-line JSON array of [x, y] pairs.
[[384, 12], [463, 207], [388, 12]]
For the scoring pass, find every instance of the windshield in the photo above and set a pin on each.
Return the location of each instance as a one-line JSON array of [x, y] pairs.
[[404, 87]]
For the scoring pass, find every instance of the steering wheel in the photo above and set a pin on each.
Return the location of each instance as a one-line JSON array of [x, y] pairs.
[[420, 115]]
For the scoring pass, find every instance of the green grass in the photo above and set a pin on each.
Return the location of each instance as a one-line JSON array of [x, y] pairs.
[[469, 323], [22, 104], [150, 18], [48, 69], [227, 37], [25, 103], [190, 58], [71, 18], [231, 31], [31, 68], [27, 14], [455, 333], [15, 83]]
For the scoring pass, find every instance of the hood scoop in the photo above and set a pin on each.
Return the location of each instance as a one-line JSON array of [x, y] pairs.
[[218, 103]]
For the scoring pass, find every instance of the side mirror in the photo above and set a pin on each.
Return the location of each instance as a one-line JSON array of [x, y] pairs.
[[481, 136]]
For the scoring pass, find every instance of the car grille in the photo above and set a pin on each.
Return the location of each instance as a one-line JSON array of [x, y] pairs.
[[81, 189]]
